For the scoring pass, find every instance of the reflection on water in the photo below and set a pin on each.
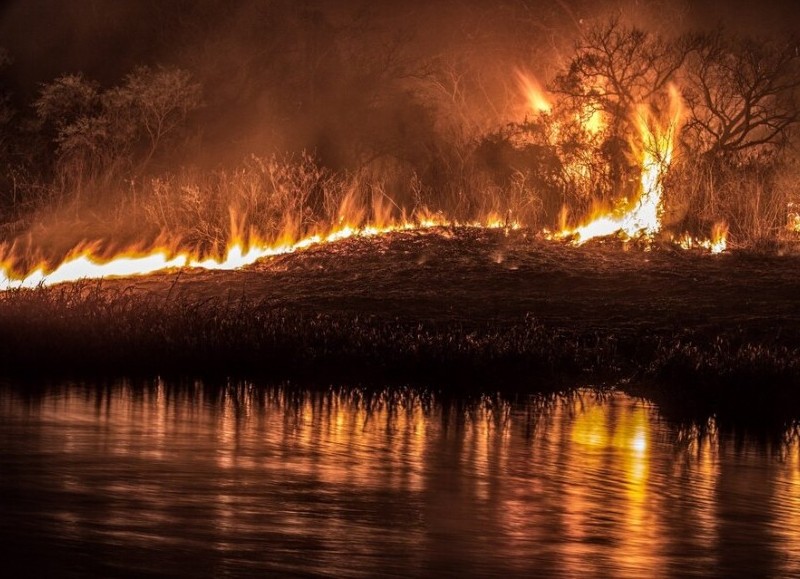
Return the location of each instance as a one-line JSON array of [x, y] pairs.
[[206, 481]]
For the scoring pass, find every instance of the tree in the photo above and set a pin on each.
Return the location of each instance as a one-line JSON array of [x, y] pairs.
[[69, 113], [120, 129], [741, 93], [615, 68], [152, 103]]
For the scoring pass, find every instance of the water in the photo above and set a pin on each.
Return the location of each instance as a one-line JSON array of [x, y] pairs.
[[230, 481]]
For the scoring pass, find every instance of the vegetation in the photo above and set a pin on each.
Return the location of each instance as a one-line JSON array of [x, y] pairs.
[[96, 330], [406, 131], [377, 134]]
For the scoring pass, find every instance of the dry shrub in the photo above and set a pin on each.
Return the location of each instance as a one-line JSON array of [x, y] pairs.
[[751, 197]]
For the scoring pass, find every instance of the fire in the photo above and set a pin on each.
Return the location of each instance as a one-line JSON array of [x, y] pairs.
[[592, 119], [86, 262], [641, 218], [793, 217], [717, 243], [537, 101]]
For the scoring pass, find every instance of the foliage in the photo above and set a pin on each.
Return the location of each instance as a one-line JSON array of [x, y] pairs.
[[113, 133], [265, 195], [401, 130]]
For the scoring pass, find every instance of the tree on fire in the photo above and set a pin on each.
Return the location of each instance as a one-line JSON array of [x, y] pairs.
[[741, 97], [615, 69]]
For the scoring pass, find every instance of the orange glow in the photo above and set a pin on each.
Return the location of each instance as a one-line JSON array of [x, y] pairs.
[[793, 217], [536, 99], [717, 243]]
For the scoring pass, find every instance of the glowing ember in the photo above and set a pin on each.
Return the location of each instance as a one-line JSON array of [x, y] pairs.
[[641, 218]]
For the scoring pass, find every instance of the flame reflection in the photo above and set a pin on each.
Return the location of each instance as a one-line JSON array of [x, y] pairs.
[[351, 482]]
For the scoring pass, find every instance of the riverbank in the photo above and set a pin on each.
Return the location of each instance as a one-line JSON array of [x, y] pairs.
[[453, 309]]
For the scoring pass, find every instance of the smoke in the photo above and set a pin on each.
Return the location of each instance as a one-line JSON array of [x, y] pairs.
[[354, 81]]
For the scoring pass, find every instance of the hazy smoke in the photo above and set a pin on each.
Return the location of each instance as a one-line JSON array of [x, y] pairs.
[[354, 81]]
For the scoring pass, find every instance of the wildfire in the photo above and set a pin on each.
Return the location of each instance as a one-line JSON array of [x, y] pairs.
[[641, 218], [86, 262], [638, 219]]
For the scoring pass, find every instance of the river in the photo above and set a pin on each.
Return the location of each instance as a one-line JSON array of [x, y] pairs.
[[162, 479]]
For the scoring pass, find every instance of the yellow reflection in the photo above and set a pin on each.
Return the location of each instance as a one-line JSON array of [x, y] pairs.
[[611, 481]]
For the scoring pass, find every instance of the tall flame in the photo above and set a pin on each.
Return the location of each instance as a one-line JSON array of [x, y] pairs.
[[642, 218]]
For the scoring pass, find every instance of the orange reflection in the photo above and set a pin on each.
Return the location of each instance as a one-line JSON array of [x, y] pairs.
[[574, 485]]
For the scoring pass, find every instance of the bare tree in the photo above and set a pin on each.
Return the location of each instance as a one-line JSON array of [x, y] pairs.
[[742, 93], [99, 136], [616, 67], [158, 102]]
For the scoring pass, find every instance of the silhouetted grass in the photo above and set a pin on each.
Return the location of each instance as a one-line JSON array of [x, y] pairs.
[[87, 331]]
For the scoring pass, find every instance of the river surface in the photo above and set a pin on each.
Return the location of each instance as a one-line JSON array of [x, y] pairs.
[[192, 480]]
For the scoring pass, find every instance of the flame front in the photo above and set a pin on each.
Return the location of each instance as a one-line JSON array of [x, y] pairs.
[[86, 263]]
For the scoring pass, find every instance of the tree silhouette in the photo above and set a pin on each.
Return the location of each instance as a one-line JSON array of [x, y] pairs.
[[742, 93]]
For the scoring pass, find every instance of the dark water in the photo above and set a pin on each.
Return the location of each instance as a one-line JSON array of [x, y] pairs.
[[199, 481]]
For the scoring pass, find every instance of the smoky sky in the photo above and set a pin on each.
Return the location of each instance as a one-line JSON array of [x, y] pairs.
[[268, 64], [106, 37]]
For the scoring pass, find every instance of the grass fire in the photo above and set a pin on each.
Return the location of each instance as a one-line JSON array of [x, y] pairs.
[[349, 288], [377, 152]]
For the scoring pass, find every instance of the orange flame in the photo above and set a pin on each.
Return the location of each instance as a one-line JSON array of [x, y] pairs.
[[536, 99], [85, 262], [717, 243], [793, 217]]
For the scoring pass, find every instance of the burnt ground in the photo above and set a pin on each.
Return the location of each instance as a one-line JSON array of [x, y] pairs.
[[453, 306], [474, 277]]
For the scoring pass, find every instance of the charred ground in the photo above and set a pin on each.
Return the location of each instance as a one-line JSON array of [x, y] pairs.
[[452, 309]]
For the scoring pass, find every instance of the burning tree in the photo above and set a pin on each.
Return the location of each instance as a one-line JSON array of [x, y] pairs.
[[616, 69]]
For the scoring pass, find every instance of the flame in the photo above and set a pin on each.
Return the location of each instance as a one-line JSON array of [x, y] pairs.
[[642, 218], [86, 261], [537, 101], [793, 217], [717, 243], [591, 119]]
